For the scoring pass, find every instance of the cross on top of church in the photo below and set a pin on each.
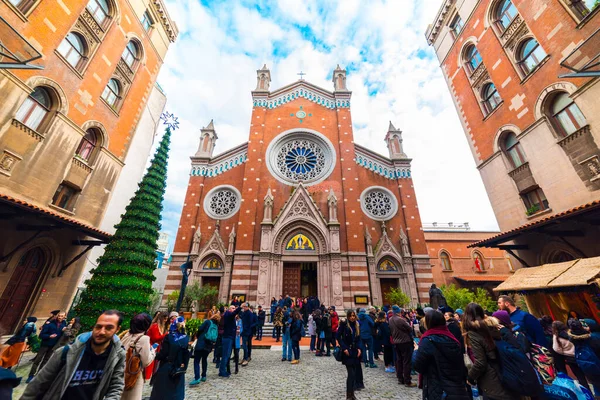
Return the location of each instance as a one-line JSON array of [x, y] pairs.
[[301, 75]]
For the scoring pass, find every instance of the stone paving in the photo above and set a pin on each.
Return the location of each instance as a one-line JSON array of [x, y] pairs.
[[267, 377]]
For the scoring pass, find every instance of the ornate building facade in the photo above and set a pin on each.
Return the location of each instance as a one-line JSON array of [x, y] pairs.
[[531, 122], [300, 209], [65, 132]]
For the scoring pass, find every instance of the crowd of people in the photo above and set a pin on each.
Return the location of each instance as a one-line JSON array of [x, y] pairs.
[[456, 354]]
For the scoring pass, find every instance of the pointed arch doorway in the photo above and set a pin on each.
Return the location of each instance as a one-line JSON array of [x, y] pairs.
[[300, 279]]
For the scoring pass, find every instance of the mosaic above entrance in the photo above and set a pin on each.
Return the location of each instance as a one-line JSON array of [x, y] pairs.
[[300, 242]]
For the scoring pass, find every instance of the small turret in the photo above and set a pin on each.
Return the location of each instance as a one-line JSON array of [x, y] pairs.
[[394, 143], [339, 79], [263, 79], [208, 139]]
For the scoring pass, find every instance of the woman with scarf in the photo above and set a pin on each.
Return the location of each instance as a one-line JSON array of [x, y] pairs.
[[158, 330], [348, 336], [438, 360], [278, 323], [169, 379], [9, 357], [136, 338]]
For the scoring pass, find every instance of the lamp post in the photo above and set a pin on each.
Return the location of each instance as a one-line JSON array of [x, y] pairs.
[[186, 269]]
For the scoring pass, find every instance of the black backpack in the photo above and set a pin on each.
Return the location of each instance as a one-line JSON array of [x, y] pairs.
[[180, 363], [516, 372]]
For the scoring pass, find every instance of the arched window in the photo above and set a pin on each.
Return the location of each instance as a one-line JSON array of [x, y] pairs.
[[36, 108], [457, 25], [112, 93], [491, 98], [478, 261], [73, 49], [512, 149], [472, 58], [131, 54], [88, 143], [559, 256], [505, 13], [445, 258], [530, 55], [99, 10], [565, 115]]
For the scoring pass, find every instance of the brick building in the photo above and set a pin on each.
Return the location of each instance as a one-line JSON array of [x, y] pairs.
[[65, 131], [532, 125], [453, 262], [300, 209]]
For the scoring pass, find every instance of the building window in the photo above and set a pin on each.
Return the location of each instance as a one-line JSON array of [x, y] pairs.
[[445, 258], [457, 25], [535, 201], [65, 196], [478, 261], [86, 147], [131, 54], [23, 5], [513, 150], [72, 48], [565, 115], [506, 13], [530, 55], [35, 109], [99, 10], [472, 58], [112, 93], [491, 97], [147, 21], [582, 8]]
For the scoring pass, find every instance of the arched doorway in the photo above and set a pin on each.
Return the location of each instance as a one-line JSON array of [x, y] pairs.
[[23, 281]]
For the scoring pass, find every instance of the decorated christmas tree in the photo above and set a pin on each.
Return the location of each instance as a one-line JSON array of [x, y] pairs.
[[124, 275]]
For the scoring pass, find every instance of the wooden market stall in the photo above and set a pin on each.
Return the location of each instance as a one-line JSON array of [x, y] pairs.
[[556, 289]]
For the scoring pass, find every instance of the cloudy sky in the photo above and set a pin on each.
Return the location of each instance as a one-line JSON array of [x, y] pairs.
[[392, 72]]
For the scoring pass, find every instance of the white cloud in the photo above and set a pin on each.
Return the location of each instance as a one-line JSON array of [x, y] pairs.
[[210, 71]]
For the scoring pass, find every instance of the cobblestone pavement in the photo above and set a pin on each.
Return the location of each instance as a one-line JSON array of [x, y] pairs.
[[267, 377]]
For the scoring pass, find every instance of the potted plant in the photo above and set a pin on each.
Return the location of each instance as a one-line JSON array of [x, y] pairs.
[[186, 304], [207, 297], [172, 300]]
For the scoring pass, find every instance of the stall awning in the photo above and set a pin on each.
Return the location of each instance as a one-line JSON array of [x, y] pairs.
[[482, 278], [580, 272]]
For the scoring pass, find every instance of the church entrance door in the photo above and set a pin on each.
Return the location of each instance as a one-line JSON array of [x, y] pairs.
[[387, 284], [308, 278], [214, 281], [291, 279]]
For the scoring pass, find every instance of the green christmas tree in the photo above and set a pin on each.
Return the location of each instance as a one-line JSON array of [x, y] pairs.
[[124, 275]]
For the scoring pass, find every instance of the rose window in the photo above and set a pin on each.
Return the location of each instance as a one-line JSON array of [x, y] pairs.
[[222, 202], [379, 203], [301, 157]]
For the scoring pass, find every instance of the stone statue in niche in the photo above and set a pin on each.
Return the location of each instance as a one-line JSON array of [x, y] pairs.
[[231, 241], [404, 242], [196, 241], [436, 297], [268, 206], [332, 203]]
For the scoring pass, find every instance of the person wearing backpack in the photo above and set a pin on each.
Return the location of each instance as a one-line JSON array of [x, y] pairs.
[[206, 337], [438, 360], [174, 356], [139, 355], [366, 336], [587, 352], [9, 356], [327, 326], [481, 334]]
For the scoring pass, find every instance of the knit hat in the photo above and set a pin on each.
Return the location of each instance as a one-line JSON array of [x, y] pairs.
[[54, 312], [427, 309], [363, 310], [459, 312], [503, 317], [575, 327], [173, 314], [396, 309]]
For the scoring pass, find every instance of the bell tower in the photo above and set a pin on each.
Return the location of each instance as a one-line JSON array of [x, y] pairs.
[[339, 79], [263, 79], [208, 139], [394, 143]]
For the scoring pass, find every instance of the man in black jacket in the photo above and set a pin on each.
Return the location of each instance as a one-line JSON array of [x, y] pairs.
[[261, 322], [50, 334], [403, 346]]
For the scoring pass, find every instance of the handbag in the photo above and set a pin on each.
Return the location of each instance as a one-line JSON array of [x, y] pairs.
[[467, 360], [337, 353]]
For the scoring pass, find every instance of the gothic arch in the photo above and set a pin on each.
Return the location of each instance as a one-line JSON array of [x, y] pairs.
[[282, 236], [207, 257], [472, 40], [63, 103], [552, 249], [97, 125], [546, 93], [392, 257]]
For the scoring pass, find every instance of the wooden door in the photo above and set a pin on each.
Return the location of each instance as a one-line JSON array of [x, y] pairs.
[[213, 281], [291, 280], [386, 285], [17, 293]]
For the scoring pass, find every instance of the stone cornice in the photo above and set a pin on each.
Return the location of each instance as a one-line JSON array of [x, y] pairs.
[[222, 163], [301, 89], [165, 20], [382, 165], [434, 29]]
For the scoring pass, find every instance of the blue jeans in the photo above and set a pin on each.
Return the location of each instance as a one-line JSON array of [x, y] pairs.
[[313, 340], [201, 355], [245, 340], [367, 343], [287, 346], [227, 343], [296, 348]]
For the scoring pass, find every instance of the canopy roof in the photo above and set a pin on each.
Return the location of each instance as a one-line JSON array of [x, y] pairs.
[[580, 272]]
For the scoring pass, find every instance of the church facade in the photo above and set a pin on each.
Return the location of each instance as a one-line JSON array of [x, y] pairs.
[[301, 209]]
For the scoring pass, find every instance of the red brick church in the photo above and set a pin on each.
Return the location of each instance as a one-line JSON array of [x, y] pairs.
[[301, 209]]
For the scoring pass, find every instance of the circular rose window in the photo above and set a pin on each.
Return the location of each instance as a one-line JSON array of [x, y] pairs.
[[222, 202], [304, 156], [378, 203]]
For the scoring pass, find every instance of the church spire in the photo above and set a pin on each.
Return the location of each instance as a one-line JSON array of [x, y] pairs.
[[339, 79], [208, 139], [263, 79], [393, 139]]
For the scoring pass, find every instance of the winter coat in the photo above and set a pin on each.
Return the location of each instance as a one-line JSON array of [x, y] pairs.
[[262, 315], [164, 387], [440, 360], [486, 366], [384, 333], [68, 336], [366, 326], [201, 343], [296, 330], [26, 330], [400, 329], [325, 325], [529, 325], [455, 330], [247, 322], [563, 346], [586, 340], [50, 329], [312, 329], [278, 319], [51, 381], [335, 321], [318, 324], [147, 354], [349, 340], [287, 302]]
